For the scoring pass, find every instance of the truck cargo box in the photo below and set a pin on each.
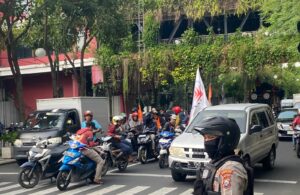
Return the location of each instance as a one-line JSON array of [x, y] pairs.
[[98, 105]]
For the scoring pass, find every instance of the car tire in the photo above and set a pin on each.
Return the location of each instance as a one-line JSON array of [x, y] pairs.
[[269, 161], [178, 177]]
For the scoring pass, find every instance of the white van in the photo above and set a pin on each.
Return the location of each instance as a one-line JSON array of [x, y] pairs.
[[258, 142]]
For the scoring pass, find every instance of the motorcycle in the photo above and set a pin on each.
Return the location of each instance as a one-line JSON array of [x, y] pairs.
[[145, 150], [41, 164], [75, 166], [164, 144], [113, 157], [297, 140]]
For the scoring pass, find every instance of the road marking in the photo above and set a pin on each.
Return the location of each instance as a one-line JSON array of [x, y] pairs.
[[46, 191], [9, 187], [107, 190], [132, 165], [257, 193], [79, 189], [9, 173], [187, 192], [140, 175], [275, 181], [22, 190], [163, 191], [4, 183], [134, 190]]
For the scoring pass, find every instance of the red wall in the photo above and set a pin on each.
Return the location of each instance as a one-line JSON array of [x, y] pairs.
[[39, 86]]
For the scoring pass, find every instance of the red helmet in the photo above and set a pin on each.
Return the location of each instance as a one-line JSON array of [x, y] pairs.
[[88, 113], [134, 114], [176, 109]]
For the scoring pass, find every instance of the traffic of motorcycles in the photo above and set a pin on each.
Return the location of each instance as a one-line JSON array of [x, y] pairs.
[[148, 141]]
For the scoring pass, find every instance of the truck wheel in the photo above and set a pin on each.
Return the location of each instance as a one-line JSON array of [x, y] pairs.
[[269, 162], [178, 176]]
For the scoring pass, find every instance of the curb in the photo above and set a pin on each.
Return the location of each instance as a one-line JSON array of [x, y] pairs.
[[8, 161]]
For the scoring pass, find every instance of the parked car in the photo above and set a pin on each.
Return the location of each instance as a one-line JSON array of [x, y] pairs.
[[258, 142], [284, 121]]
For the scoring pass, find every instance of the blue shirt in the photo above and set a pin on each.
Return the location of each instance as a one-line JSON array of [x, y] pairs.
[[97, 125]]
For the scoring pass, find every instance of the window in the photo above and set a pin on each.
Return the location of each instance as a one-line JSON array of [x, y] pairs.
[[72, 117], [263, 119], [254, 120]]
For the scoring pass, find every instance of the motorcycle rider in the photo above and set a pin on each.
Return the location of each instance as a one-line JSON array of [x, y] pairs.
[[88, 117], [170, 126], [115, 131], [226, 173], [135, 126], [156, 118], [295, 123], [181, 118], [85, 136], [150, 126]]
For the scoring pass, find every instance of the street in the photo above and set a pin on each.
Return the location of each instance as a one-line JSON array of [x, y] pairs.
[[149, 179]]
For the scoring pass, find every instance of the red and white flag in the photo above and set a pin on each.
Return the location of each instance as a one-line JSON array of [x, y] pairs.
[[199, 99]]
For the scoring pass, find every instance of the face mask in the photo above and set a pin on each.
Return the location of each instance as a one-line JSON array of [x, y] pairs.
[[211, 147]]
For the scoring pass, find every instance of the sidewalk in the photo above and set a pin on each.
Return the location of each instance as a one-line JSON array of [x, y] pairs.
[[6, 161]]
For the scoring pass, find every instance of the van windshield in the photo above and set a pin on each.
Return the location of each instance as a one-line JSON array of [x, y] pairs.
[[238, 115], [44, 120]]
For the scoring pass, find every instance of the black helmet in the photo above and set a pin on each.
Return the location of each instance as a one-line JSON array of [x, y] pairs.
[[225, 128]]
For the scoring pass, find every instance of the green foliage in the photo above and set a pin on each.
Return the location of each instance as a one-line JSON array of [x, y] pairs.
[[151, 30], [281, 15], [9, 137]]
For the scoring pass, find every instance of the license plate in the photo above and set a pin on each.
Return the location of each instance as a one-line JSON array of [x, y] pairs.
[[290, 132]]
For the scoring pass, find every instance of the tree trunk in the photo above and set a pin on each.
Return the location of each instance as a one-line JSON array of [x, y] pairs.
[[82, 82], [225, 27], [19, 93], [245, 87]]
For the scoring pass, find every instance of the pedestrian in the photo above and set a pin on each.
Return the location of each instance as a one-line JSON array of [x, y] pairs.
[[226, 173]]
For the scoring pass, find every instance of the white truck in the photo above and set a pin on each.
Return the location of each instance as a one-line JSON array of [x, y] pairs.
[[54, 118], [296, 100], [98, 105]]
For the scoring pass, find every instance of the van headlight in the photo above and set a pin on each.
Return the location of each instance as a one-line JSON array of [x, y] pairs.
[[177, 152], [18, 143], [55, 140]]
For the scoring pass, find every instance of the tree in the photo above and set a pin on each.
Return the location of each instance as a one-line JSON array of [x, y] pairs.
[[100, 20], [49, 32], [282, 17], [15, 21]]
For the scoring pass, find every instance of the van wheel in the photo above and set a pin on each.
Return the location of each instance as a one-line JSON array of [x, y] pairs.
[[269, 161], [178, 176]]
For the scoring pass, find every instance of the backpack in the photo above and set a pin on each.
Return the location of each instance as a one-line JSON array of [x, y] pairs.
[[205, 187]]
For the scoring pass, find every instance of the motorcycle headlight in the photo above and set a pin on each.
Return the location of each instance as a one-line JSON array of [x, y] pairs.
[[18, 143], [55, 140], [177, 152]]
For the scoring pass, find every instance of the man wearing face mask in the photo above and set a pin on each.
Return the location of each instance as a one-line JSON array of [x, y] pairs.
[[226, 173]]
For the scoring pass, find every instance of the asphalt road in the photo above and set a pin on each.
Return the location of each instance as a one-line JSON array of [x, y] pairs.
[[149, 179]]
